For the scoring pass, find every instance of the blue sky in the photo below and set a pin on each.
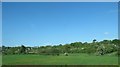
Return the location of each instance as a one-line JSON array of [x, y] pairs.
[[0, 24], [46, 23]]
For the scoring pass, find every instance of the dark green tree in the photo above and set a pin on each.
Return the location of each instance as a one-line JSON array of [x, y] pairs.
[[94, 40], [22, 49]]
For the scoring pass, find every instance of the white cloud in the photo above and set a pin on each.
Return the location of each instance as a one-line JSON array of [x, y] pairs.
[[106, 33]]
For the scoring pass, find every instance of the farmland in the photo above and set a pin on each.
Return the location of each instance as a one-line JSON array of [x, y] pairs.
[[72, 59], [96, 53]]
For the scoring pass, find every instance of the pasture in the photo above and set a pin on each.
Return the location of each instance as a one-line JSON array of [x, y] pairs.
[[72, 59]]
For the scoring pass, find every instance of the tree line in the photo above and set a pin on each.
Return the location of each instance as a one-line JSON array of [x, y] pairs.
[[95, 47]]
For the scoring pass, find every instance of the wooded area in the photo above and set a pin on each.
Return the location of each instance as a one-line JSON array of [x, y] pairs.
[[97, 48]]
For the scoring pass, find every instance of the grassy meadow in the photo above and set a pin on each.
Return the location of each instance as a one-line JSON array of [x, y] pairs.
[[72, 59]]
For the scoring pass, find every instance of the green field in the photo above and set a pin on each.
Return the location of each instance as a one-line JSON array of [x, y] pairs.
[[72, 59]]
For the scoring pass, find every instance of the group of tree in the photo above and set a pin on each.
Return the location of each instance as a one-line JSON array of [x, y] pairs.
[[95, 47]]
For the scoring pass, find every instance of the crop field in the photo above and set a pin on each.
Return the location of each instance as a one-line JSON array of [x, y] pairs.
[[71, 59]]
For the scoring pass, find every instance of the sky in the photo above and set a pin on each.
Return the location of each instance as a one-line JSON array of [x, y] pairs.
[[0, 24], [54, 23]]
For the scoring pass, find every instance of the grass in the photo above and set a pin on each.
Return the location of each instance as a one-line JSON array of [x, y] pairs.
[[72, 59]]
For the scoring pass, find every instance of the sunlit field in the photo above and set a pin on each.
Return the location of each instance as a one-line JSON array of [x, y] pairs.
[[71, 59]]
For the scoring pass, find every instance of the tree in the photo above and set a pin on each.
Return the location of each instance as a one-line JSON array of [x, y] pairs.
[[116, 42], [22, 49], [77, 44], [106, 41], [55, 51], [66, 48], [4, 50], [94, 40], [100, 50]]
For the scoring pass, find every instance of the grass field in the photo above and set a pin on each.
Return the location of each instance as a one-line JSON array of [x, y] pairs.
[[72, 59]]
